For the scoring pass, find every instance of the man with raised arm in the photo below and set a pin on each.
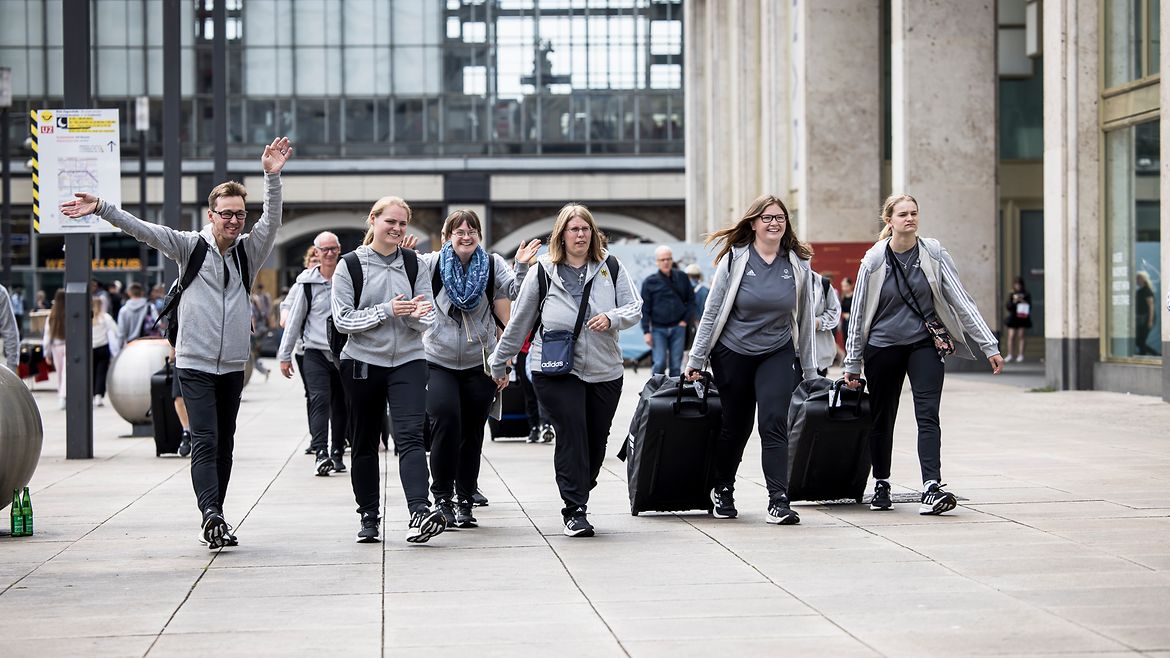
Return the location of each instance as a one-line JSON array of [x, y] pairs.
[[214, 336]]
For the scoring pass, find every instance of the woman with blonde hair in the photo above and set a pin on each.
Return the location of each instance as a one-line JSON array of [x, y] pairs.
[[53, 343], [910, 312], [382, 302], [577, 374], [758, 322]]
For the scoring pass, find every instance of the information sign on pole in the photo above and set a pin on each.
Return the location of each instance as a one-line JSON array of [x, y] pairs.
[[76, 151]]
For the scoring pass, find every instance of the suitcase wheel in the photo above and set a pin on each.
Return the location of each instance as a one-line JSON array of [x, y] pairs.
[[633, 513]]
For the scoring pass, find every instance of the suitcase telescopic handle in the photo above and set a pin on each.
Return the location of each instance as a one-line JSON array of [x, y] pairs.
[[707, 380], [835, 396]]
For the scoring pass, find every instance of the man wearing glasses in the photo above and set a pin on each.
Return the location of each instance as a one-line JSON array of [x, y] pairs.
[[310, 304], [214, 337]]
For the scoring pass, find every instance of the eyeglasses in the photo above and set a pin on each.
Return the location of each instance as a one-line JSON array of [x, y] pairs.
[[229, 214], [328, 250], [579, 229], [768, 219], [466, 234]]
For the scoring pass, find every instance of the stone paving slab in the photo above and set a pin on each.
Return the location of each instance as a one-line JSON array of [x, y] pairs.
[[1061, 548]]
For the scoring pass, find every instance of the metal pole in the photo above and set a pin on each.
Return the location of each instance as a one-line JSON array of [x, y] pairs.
[[78, 336], [172, 155], [142, 251], [6, 210], [219, 88]]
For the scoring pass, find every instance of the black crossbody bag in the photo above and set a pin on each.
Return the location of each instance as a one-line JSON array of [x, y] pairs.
[[943, 343]]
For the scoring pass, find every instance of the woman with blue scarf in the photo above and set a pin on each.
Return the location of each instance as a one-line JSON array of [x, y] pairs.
[[472, 291]]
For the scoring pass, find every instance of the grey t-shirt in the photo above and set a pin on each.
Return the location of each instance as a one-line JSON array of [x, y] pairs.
[[760, 320], [573, 278], [391, 258], [895, 322]]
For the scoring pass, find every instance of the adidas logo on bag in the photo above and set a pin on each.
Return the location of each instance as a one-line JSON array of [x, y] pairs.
[[552, 364]]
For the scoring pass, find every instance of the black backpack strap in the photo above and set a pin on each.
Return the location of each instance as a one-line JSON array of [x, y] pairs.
[[585, 293], [245, 267], [308, 287], [410, 261], [490, 291], [354, 264], [611, 262], [194, 262], [436, 282], [825, 286], [542, 288]]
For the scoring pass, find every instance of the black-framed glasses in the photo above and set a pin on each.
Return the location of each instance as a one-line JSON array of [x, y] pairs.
[[229, 214], [328, 250], [768, 219]]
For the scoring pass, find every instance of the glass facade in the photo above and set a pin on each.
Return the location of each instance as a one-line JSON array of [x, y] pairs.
[[1133, 234], [1132, 40], [382, 78]]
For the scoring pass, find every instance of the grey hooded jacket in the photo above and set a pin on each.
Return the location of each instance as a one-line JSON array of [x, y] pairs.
[[308, 319], [952, 303], [131, 317], [215, 314], [9, 333], [457, 338], [596, 355], [721, 300], [376, 336]]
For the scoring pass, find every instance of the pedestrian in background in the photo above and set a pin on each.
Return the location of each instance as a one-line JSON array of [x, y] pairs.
[[1018, 320], [668, 307], [137, 317], [827, 309], [9, 332], [912, 313], [695, 274], [53, 343], [575, 359], [107, 342], [760, 324]]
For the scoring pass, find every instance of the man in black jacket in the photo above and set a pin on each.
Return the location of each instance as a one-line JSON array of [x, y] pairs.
[[668, 305]]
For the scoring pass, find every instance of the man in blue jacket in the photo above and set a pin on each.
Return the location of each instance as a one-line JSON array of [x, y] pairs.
[[668, 305]]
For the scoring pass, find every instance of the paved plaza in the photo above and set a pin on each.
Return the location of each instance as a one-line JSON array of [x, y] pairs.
[[1061, 548]]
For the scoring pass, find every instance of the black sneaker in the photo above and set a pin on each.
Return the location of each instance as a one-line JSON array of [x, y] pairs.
[[724, 501], [310, 450], [478, 499], [779, 513], [214, 529], [463, 515], [443, 506], [424, 525], [324, 463], [578, 526], [881, 496], [185, 443], [547, 433], [368, 534], [534, 435], [936, 501], [338, 464], [229, 537]]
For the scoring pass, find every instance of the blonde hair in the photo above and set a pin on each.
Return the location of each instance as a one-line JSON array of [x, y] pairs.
[[310, 253], [95, 311], [556, 242], [380, 207], [888, 212], [741, 233]]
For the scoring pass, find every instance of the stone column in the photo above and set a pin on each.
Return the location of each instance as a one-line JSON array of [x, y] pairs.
[[837, 131], [1165, 211], [1072, 193], [944, 138]]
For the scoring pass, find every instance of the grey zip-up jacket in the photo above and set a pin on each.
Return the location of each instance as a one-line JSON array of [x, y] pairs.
[[131, 317], [457, 338], [721, 299], [215, 314], [307, 318], [596, 355], [376, 336], [9, 332], [952, 303]]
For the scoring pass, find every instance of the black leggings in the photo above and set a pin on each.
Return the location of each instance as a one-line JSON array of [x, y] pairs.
[[368, 389], [531, 405], [885, 370], [745, 383], [101, 368], [458, 402], [581, 413]]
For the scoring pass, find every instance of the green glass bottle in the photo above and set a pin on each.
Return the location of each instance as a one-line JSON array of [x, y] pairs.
[[16, 517], [26, 512]]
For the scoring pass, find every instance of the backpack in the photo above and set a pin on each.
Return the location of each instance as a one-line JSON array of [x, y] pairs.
[[489, 290], [168, 317], [353, 263]]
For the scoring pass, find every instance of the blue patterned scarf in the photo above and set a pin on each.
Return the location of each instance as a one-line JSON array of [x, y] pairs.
[[465, 289]]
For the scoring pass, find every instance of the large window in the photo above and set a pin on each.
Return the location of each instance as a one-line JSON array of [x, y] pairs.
[[1133, 239], [1132, 40]]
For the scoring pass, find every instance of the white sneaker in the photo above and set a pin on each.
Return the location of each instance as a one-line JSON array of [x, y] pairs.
[[60, 403], [99, 401], [1020, 358]]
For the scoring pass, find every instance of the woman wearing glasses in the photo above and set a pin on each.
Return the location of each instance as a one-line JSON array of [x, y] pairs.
[[757, 322], [472, 289], [577, 301], [908, 291]]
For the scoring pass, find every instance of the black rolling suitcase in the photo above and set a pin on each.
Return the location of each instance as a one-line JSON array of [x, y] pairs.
[[513, 422], [167, 430], [828, 441], [670, 450]]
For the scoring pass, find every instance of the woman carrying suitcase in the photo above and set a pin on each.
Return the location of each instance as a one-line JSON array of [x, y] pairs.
[[468, 284], [757, 322], [575, 360], [910, 312]]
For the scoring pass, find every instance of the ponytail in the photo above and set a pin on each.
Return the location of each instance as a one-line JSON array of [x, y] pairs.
[[886, 232]]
